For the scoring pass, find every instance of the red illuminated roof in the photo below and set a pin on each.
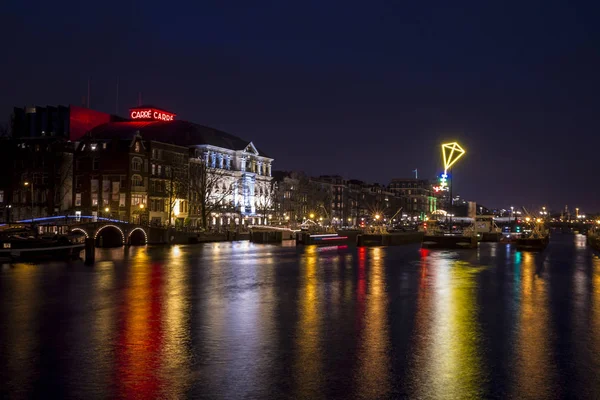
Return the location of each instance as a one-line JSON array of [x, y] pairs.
[[181, 133]]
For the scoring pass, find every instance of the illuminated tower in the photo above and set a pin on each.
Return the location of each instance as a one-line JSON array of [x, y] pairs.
[[451, 153]]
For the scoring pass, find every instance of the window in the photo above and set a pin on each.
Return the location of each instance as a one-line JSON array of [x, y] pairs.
[[1, 196], [136, 181], [153, 169], [104, 145], [95, 163], [168, 171], [78, 199], [159, 170], [93, 146], [94, 199], [136, 164], [137, 199], [122, 200], [137, 147]]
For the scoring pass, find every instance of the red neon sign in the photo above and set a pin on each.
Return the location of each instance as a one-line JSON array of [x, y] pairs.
[[151, 114]]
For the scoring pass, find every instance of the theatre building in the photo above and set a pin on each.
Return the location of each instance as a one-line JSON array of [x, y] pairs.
[[145, 170]]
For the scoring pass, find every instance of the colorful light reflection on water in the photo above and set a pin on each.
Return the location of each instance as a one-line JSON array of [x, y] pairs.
[[235, 320]]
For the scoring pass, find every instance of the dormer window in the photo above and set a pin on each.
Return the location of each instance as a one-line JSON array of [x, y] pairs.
[[137, 147]]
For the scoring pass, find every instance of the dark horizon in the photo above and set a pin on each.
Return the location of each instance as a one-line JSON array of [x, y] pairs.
[[364, 92]]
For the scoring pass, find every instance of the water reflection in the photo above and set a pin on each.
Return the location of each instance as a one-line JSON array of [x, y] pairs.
[[448, 340], [140, 333], [534, 373], [373, 379], [250, 321], [19, 328], [308, 352]]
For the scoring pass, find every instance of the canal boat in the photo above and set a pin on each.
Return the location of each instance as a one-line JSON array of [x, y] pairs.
[[23, 243], [537, 240], [436, 237]]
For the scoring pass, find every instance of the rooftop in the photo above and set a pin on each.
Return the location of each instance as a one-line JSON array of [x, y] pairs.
[[181, 133]]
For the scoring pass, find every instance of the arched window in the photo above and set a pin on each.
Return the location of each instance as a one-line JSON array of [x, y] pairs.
[[136, 164]]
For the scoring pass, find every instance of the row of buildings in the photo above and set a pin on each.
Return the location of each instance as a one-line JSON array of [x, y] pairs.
[[350, 202], [152, 168]]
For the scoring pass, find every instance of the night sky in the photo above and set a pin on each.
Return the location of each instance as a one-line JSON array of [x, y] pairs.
[[367, 90]]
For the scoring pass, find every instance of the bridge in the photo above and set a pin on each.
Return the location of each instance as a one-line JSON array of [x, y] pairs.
[[115, 233]]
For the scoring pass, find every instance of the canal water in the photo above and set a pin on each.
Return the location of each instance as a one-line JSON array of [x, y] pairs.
[[238, 320]]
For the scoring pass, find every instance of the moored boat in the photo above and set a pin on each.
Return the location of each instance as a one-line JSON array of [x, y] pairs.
[[436, 238], [26, 244], [537, 240]]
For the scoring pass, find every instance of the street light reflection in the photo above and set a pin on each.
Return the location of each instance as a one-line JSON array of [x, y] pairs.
[[447, 336], [533, 354], [308, 343], [373, 375]]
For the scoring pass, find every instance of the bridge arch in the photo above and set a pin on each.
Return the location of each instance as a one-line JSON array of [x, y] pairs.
[[117, 239], [81, 230], [134, 238]]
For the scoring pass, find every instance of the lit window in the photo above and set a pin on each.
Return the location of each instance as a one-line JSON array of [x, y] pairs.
[[137, 147], [93, 146], [78, 199], [104, 145]]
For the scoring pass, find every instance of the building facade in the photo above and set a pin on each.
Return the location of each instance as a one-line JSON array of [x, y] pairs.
[[151, 168], [416, 196]]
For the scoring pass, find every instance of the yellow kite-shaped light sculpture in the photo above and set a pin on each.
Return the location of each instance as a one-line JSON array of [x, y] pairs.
[[451, 152]]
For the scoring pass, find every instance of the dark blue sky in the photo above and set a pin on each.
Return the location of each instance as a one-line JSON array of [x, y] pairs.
[[363, 89]]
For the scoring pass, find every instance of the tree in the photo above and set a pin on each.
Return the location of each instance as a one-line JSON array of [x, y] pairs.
[[177, 184], [210, 189], [265, 201]]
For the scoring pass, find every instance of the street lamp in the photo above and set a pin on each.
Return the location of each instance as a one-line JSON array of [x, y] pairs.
[[31, 185], [311, 215]]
